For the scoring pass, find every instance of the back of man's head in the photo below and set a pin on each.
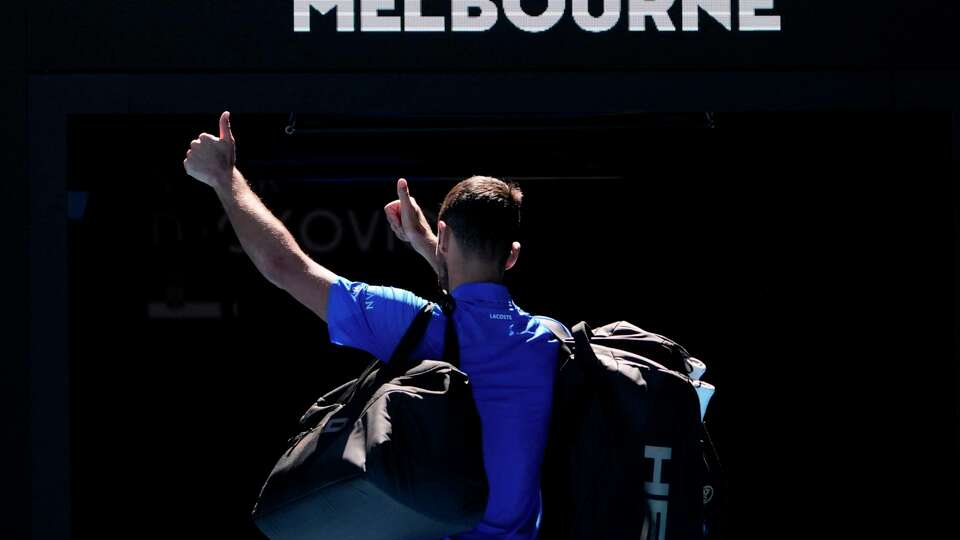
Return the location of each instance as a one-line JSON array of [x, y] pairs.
[[484, 214]]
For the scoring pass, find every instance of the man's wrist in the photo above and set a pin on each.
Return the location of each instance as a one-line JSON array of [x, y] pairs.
[[428, 250], [225, 182], [427, 247]]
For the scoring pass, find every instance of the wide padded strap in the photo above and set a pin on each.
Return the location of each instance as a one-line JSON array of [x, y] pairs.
[[451, 344], [402, 360], [560, 332], [554, 326], [581, 336], [401, 352], [587, 358], [414, 334]]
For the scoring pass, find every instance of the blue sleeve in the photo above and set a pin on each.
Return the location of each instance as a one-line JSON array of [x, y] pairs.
[[371, 318]]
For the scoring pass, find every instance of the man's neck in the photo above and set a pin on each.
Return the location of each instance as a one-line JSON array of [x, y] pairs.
[[473, 274]]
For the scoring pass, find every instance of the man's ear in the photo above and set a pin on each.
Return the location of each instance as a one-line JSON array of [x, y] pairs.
[[514, 255], [443, 238]]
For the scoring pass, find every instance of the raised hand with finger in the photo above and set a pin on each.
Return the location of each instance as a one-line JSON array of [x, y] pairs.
[[410, 224], [211, 159]]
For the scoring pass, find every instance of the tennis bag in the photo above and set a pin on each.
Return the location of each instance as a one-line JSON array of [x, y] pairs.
[[394, 454], [627, 455]]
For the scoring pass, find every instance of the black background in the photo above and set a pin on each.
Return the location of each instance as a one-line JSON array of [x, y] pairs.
[[809, 257], [803, 257]]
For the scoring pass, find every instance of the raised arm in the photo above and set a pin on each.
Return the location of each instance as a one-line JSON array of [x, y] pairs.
[[263, 237]]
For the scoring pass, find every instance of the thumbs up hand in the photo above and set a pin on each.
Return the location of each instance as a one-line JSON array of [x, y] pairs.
[[408, 221], [211, 159], [410, 225]]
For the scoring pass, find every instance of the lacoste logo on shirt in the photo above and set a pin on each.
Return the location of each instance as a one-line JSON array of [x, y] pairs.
[[501, 316]]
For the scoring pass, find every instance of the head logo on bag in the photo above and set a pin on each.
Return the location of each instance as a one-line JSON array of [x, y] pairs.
[[657, 490]]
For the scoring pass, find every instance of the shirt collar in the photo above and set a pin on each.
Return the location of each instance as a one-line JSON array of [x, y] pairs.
[[482, 290]]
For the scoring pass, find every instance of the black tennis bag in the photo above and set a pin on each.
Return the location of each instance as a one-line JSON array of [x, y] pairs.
[[627, 455], [394, 454]]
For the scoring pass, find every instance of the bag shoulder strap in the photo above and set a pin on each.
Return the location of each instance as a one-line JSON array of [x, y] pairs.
[[564, 336], [451, 343], [413, 335], [401, 361]]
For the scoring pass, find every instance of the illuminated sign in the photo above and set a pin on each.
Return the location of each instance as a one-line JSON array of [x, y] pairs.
[[482, 15]]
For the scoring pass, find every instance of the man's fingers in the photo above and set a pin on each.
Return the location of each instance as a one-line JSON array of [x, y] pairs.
[[393, 212], [398, 230], [225, 132], [393, 218]]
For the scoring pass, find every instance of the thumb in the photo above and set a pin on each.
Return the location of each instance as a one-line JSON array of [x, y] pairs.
[[403, 191], [225, 132], [407, 204]]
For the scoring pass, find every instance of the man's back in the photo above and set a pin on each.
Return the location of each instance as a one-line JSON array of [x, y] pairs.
[[510, 358], [511, 361]]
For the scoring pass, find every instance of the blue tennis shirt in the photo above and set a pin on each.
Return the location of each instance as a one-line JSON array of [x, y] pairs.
[[511, 361]]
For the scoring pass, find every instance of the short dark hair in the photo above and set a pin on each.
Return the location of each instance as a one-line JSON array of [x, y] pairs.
[[484, 213]]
